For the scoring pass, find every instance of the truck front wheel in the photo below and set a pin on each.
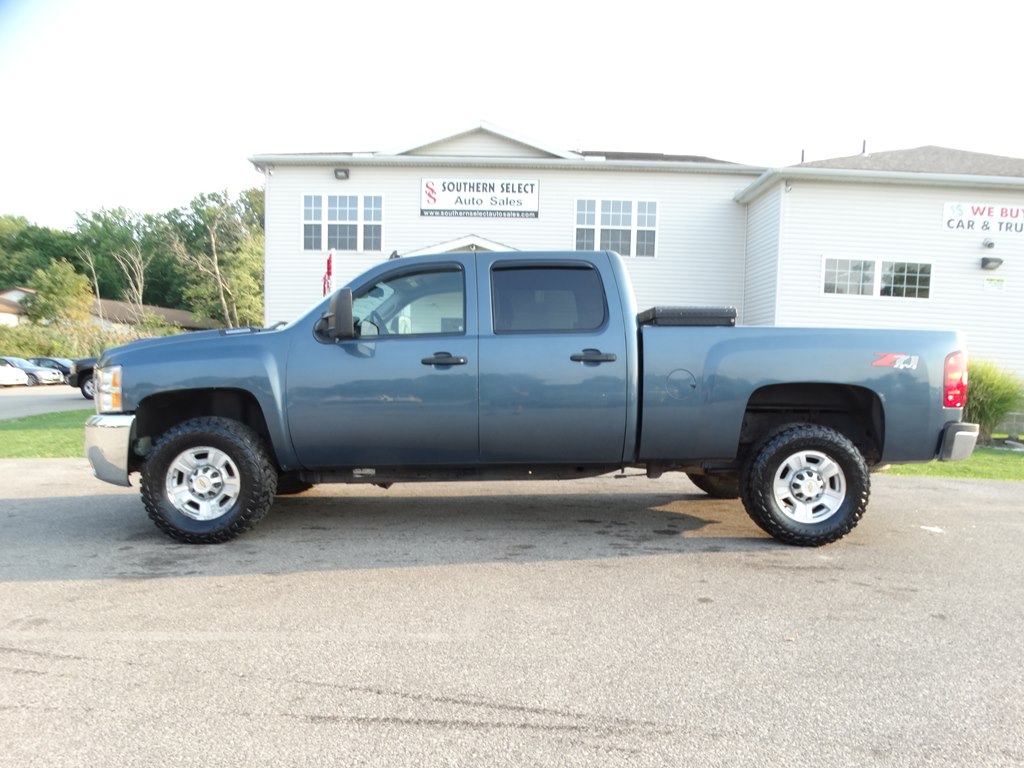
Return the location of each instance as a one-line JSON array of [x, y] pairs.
[[208, 480], [807, 485]]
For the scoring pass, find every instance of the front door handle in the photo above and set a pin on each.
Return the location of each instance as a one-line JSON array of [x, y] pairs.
[[593, 356], [443, 358]]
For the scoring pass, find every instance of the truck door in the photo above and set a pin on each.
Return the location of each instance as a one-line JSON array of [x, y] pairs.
[[553, 363], [404, 393]]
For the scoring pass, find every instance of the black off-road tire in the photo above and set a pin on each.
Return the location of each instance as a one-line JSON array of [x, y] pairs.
[[724, 486], [208, 480], [806, 485], [87, 387]]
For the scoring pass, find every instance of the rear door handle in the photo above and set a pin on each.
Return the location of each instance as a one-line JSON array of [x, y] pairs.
[[593, 356], [443, 358]]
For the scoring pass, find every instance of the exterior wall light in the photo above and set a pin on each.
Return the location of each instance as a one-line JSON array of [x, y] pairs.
[[991, 262], [341, 174]]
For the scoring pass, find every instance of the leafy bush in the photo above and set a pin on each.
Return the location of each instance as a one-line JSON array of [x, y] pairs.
[[993, 393], [73, 340]]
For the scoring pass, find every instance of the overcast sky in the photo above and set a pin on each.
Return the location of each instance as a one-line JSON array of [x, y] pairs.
[[110, 103]]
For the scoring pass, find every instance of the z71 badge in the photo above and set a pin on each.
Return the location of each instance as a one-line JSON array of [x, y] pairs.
[[896, 360]]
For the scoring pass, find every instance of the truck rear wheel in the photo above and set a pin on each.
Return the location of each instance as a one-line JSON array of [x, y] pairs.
[[807, 485], [208, 480], [290, 485], [724, 486]]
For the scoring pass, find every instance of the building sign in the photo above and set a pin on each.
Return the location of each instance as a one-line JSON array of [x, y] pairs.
[[983, 218], [494, 198]]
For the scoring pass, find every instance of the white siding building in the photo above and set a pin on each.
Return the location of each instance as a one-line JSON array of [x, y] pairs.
[[891, 240]]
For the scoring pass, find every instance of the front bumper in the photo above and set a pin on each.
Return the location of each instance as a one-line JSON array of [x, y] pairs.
[[958, 441], [108, 440]]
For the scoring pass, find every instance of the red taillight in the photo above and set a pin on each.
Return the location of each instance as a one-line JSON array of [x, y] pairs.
[[954, 384]]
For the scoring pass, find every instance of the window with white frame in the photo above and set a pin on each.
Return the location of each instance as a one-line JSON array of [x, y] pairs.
[[908, 279], [626, 226], [863, 277], [849, 276], [346, 223], [373, 215], [312, 229]]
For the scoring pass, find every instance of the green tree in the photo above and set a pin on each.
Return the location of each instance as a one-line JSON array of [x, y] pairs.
[[220, 240], [62, 295], [102, 234], [25, 248]]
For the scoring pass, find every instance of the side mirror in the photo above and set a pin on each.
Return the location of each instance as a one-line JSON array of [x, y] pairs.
[[339, 315]]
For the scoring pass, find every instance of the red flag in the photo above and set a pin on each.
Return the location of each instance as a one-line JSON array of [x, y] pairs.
[[328, 277]]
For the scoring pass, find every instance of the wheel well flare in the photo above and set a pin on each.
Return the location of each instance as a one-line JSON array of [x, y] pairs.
[[853, 411], [156, 414]]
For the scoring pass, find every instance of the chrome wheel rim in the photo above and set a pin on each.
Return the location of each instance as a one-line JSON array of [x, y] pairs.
[[809, 487], [203, 483], [89, 387]]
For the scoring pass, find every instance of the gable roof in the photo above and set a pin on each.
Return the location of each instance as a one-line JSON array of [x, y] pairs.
[[11, 307], [16, 293], [928, 159], [925, 166], [124, 313], [487, 146], [653, 157], [483, 128]]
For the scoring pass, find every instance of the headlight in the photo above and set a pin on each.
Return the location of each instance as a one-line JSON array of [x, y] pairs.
[[108, 389]]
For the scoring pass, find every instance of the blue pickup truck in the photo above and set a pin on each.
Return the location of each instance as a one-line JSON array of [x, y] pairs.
[[487, 365]]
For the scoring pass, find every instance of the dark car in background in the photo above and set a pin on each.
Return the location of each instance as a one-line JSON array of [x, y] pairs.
[[36, 374], [61, 364], [81, 376]]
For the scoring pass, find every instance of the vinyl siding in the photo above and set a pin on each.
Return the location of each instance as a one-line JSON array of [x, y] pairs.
[[902, 223], [762, 263], [700, 231]]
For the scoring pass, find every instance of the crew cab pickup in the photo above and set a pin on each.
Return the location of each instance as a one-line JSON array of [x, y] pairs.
[[486, 365]]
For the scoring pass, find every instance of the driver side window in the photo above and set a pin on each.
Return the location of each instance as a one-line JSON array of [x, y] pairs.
[[413, 303]]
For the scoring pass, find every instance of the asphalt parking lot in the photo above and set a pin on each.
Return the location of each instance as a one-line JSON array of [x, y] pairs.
[[612, 622], [16, 402]]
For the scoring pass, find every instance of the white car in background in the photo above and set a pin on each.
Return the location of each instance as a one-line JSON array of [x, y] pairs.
[[35, 373], [11, 375]]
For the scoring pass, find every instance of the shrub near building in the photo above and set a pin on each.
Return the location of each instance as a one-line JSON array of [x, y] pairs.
[[994, 394]]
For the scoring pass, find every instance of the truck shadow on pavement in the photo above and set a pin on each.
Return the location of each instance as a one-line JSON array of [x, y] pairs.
[[335, 528]]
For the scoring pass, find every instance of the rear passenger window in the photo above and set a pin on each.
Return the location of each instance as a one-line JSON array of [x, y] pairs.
[[528, 299]]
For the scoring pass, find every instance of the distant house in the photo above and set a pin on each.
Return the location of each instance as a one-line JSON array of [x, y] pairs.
[[11, 312], [113, 314], [107, 313]]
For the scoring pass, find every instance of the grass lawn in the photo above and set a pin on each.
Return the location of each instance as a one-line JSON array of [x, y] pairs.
[[61, 435], [47, 436], [985, 464]]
